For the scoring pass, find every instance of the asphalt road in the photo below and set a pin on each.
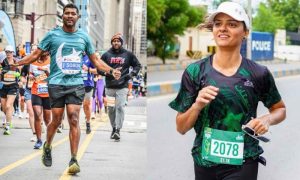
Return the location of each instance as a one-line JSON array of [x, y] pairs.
[[99, 156]]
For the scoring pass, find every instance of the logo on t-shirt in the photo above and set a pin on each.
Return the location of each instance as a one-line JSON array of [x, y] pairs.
[[69, 64], [117, 60], [248, 83]]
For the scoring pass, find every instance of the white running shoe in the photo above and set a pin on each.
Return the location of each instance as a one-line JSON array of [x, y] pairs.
[[3, 121], [93, 116], [21, 115], [33, 139]]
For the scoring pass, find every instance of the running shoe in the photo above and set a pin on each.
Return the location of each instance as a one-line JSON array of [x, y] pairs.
[[88, 128], [3, 122], [112, 133], [7, 131], [47, 158], [73, 166], [38, 144], [33, 138], [21, 115], [59, 130], [116, 135], [93, 116]]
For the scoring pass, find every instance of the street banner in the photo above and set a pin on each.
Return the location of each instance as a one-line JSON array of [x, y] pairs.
[[7, 30]]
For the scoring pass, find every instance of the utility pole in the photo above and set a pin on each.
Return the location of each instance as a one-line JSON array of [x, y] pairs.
[[32, 19], [249, 39]]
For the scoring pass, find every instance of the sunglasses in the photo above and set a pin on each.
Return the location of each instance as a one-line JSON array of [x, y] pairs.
[[8, 51], [251, 133]]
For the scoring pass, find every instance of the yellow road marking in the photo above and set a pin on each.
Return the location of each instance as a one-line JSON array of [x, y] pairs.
[[84, 145], [29, 157]]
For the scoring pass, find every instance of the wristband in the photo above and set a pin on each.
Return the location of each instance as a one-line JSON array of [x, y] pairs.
[[111, 71]]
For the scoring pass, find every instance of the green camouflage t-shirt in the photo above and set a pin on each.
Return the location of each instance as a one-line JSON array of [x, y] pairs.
[[234, 105]]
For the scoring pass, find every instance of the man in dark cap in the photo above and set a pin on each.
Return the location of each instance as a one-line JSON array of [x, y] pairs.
[[117, 90]]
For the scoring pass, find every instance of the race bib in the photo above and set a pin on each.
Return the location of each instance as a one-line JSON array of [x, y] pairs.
[[10, 76], [71, 65], [84, 75], [42, 88], [223, 147], [111, 101]]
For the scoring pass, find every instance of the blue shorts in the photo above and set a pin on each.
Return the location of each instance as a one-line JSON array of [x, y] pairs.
[[27, 94]]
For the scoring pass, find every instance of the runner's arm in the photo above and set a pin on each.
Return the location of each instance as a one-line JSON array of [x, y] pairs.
[[261, 124], [101, 65], [186, 121], [30, 58]]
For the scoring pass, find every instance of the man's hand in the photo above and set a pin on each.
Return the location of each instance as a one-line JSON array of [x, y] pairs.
[[117, 73]]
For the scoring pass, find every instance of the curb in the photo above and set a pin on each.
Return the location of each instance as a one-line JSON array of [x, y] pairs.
[[173, 87], [183, 64]]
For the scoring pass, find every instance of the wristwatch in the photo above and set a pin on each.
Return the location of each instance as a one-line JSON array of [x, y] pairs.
[[111, 71]]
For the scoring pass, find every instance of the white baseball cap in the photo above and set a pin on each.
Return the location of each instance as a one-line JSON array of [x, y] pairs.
[[9, 48], [235, 10]]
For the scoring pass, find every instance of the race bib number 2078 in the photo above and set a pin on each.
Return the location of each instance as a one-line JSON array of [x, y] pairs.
[[223, 147]]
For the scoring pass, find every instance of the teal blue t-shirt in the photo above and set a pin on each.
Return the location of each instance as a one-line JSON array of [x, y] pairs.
[[66, 55]]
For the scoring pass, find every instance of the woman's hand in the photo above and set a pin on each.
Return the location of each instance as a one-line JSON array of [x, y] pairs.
[[260, 125], [205, 96]]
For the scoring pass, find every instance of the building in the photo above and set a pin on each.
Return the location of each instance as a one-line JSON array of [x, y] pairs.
[[195, 40], [46, 15], [138, 32], [92, 20], [117, 15]]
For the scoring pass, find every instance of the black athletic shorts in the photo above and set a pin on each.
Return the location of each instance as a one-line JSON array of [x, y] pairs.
[[61, 95], [248, 171], [12, 89], [22, 91], [40, 101]]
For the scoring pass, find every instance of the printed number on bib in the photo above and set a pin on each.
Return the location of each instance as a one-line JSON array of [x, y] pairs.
[[71, 65], [84, 75], [223, 147], [42, 88], [10, 76]]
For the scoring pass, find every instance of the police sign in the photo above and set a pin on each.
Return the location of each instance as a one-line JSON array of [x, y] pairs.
[[262, 46]]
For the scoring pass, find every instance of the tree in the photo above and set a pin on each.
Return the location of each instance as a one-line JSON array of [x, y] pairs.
[[216, 3], [266, 20], [289, 10], [169, 18]]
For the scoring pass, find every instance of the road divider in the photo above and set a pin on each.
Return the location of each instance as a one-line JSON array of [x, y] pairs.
[[163, 88]]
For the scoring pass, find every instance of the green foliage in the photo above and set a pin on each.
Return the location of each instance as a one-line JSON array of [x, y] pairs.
[[266, 20], [155, 9], [168, 18], [278, 14], [216, 3]]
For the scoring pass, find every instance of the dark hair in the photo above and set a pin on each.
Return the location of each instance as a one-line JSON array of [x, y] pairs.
[[71, 6], [209, 25]]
